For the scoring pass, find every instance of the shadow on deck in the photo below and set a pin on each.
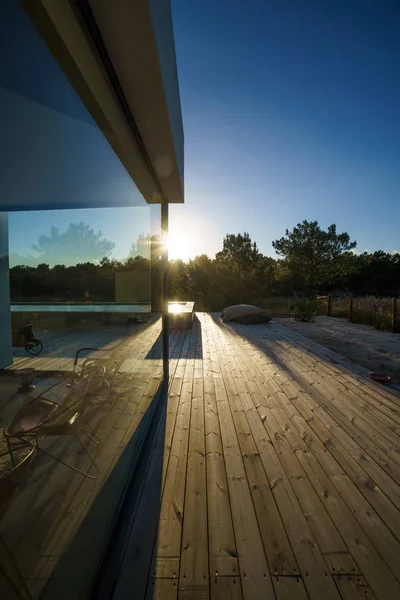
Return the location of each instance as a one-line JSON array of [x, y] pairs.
[[56, 521], [279, 477], [271, 470]]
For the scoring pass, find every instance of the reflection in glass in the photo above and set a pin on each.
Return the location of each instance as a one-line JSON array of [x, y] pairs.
[[53, 154], [86, 369]]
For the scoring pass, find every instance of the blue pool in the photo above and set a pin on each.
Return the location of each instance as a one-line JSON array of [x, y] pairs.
[[82, 308]]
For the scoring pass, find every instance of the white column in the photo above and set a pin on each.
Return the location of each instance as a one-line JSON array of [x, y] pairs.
[[6, 356]]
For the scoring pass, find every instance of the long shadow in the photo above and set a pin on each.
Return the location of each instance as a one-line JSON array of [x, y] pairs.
[[94, 553], [63, 345], [273, 337], [125, 567], [120, 525], [45, 513], [192, 351]]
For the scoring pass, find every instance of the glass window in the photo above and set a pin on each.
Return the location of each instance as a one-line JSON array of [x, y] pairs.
[[76, 296], [52, 152]]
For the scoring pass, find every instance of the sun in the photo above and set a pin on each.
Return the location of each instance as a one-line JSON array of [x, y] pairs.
[[179, 245]]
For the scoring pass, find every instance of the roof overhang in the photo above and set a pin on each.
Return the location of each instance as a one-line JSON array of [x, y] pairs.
[[120, 58]]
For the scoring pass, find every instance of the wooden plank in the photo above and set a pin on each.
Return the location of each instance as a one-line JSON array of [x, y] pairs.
[[276, 544], [289, 588], [325, 533], [161, 589], [327, 408], [194, 573], [305, 441], [253, 566], [381, 537], [349, 371], [226, 588], [172, 411], [250, 456], [354, 587], [370, 479], [381, 437], [222, 545], [280, 504], [252, 563], [133, 577], [367, 421], [166, 557], [378, 404], [371, 560]]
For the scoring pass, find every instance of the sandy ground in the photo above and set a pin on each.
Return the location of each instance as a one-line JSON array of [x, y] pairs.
[[375, 350]]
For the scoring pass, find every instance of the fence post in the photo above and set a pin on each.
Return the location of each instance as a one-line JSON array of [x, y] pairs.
[[329, 308], [394, 315], [351, 309]]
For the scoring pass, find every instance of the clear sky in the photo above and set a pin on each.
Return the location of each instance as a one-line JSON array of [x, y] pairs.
[[291, 111]]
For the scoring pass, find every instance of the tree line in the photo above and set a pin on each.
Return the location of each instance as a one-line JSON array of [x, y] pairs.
[[309, 260]]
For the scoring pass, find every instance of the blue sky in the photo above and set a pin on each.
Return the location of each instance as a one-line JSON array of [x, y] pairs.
[[291, 111]]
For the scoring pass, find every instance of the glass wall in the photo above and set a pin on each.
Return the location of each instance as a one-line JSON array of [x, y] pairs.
[[76, 295]]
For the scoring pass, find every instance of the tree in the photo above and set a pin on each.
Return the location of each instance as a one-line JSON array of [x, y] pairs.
[[141, 247], [79, 243], [377, 274], [238, 253], [178, 280], [314, 257]]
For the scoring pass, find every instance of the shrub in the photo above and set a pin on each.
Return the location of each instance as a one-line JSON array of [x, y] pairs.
[[304, 309]]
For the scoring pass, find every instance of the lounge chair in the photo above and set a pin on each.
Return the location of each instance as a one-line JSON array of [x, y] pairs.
[[42, 417], [104, 369]]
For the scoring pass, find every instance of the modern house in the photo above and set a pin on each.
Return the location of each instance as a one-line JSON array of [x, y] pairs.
[[91, 117], [222, 461], [90, 122]]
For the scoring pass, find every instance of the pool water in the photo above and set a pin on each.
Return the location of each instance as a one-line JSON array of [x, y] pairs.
[[82, 308]]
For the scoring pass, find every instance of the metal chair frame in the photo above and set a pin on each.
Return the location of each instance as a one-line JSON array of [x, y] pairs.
[[61, 419]]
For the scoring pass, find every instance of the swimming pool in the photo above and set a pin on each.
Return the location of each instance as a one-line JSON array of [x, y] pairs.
[[82, 308]]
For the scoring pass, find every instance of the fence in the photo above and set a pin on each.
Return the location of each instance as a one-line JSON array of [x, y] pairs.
[[381, 313]]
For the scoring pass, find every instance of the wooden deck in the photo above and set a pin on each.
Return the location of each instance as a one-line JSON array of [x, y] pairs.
[[57, 524], [275, 475], [60, 347]]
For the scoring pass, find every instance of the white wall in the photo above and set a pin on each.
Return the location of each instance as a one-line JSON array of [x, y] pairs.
[[6, 357]]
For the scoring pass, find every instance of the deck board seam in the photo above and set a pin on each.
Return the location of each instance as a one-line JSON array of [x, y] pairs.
[[365, 532]]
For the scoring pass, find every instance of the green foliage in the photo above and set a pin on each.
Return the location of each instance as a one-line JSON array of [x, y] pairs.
[[239, 253], [77, 283], [310, 259], [68, 247], [312, 256], [375, 274], [304, 309]]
